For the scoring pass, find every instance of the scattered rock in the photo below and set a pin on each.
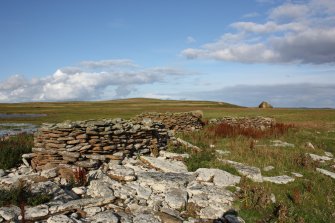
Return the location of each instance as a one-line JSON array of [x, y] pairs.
[[279, 143], [279, 179], [105, 217], [165, 165], [217, 176], [39, 211], [120, 172], [176, 198], [2, 173], [309, 145], [79, 190], [268, 168], [99, 188], [329, 154], [250, 172], [297, 174], [319, 158], [9, 213], [60, 219], [326, 172]]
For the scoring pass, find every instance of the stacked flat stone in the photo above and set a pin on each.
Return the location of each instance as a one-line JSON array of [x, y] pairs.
[[87, 143], [258, 122], [180, 122]]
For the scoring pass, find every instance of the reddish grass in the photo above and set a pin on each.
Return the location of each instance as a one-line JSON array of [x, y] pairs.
[[226, 130], [80, 176]]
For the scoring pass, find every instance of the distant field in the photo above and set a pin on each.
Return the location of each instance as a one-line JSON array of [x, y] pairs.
[[60, 111]]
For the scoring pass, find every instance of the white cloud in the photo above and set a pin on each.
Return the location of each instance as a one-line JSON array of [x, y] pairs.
[[294, 33], [251, 15], [78, 84], [108, 63]]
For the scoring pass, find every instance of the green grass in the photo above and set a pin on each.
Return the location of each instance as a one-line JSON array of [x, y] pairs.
[[12, 149]]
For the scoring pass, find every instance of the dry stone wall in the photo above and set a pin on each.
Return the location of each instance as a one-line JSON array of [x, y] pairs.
[[184, 121], [258, 122], [87, 143]]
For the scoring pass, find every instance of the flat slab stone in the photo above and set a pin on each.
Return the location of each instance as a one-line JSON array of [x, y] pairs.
[[162, 181], [279, 143], [284, 179], [176, 198], [60, 219], [319, 158], [120, 172], [217, 176], [165, 165], [250, 172], [326, 172], [36, 212]]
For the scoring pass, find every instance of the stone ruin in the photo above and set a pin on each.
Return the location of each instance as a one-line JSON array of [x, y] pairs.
[[87, 143], [258, 122], [183, 121]]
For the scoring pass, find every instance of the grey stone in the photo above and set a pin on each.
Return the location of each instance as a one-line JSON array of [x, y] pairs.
[[217, 176], [165, 165], [99, 188], [326, 172], [2, 173], [92, 210], [10, 213], [329, 154], [176, 198], [145, 218], [250, 172], [79, 190], [28, 155], [279, 143], [119, 172], [319, 158], [36, 212], [105, 217], [279, 179], [171, 155], [80, 204], [25, 162], [296, 174], [162, 181], [50, 173], [60, 219], [268, 168]]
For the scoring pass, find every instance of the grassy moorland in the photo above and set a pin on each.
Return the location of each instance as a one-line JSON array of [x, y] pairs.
[[307, 199]]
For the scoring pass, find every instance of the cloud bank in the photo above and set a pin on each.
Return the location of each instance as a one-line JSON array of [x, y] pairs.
[[293, 33], [81, 83]]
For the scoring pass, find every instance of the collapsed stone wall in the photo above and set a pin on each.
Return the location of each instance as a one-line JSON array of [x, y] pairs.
[[87, 143], [258, 122], [183, 121]]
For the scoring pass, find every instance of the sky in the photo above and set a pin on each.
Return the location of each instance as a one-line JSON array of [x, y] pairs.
[[242, 51]]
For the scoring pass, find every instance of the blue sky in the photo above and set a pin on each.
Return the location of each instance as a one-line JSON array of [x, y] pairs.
[[240, 52]]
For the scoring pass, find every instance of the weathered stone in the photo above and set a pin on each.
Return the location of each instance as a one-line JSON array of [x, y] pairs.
[[319, 158], [119, 172], [92, 210], [176, 198], [165, 165], [279, 179], [326, 172], [60, 219], [268, 168], [163, 181], [296, 174], [99, 188], [105, 217], [39, 211], [50, 173], [217, 176], [79, 190], [250, 172], [2, 173], [146, 218], [166, 218], [9, 213], [329, 154]]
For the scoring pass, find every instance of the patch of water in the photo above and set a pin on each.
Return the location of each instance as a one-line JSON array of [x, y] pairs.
[[18, 115], [16, 128]]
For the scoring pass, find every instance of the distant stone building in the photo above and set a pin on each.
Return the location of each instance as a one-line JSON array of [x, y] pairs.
[[265, 104]]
